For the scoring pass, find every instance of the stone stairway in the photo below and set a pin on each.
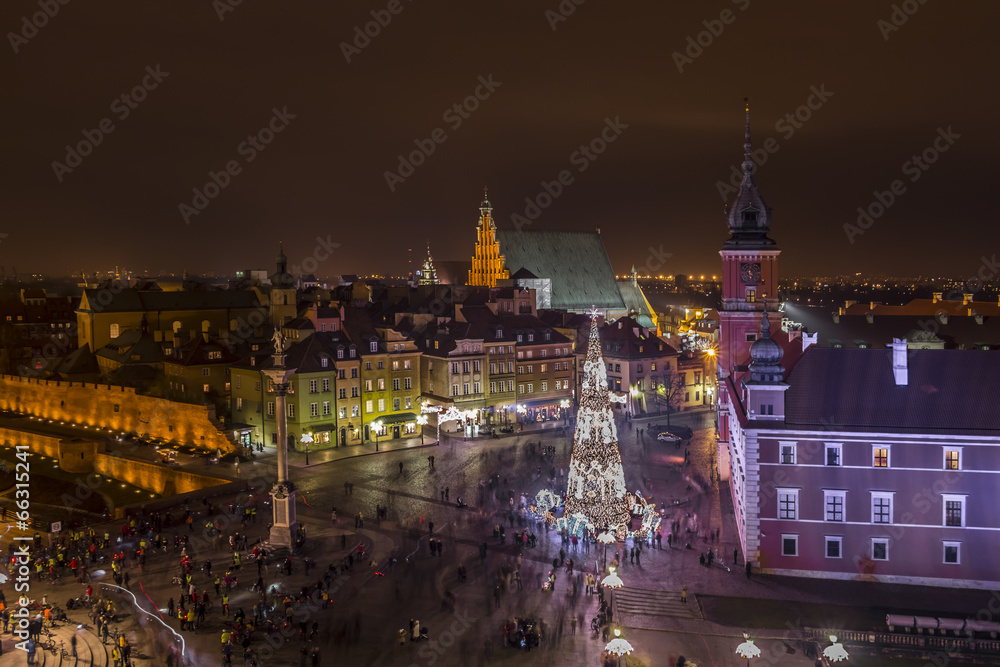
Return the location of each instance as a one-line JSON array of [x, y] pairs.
[[652, 609], [89, 650]]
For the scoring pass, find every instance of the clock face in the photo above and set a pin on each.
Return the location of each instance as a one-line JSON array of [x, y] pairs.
[[750, 272]]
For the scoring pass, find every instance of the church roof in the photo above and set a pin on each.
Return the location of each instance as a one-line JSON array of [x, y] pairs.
[[576, 262], [133, 300], [635, 300]]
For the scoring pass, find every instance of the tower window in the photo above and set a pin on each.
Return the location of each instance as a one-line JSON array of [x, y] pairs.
[[750, 216]]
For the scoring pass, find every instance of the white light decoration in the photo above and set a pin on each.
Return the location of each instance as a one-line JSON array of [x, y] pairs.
[[547, 500], [596, 481], [747, 649], [606, 538], [564, 403], [306, 438], [836, 651], [521, 408], [422, 420], [618, 647], [378, 428], [612, 580]]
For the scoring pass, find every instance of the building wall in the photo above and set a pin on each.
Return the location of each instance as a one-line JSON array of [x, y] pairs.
[[918, 481], [113, 407]]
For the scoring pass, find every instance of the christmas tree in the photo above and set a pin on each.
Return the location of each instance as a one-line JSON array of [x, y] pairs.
[[596, 480]]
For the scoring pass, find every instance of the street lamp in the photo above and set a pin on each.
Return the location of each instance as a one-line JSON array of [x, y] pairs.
[[421, 422], [377, 428], [618, 646], [835, 652], [747, 649], [305, 439], [612, 581]]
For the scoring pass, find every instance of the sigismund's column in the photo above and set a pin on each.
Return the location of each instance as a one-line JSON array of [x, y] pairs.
[[284, 527]]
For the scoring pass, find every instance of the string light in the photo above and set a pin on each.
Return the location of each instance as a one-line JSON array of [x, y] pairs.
[[596, 482]]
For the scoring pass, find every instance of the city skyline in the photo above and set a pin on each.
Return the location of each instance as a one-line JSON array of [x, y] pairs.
[[305, 146]]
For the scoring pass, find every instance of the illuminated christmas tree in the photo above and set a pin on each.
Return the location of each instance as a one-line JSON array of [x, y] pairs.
[[596, 487]]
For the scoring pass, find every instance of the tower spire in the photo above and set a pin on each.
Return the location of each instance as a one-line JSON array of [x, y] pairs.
[[747, 146]]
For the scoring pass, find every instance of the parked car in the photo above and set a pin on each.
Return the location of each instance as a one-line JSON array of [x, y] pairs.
[[668, 437], [682, 432]]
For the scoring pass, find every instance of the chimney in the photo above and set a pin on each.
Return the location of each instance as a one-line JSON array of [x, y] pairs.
[[967, 299], [942, 317], [936, 296], [978, 317], [899, 370], [809, 339]]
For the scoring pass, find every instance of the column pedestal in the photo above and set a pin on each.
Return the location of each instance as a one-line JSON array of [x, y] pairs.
[[284, 526]]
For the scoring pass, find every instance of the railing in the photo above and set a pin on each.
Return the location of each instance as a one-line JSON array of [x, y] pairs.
[[923, 643]]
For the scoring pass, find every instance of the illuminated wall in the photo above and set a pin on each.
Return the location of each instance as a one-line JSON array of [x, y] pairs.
[[113, 407]]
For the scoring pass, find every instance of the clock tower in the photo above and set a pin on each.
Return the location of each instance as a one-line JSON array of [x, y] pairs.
[[749, 269]]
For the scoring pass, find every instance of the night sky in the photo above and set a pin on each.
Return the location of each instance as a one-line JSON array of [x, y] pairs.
[[886, 93]]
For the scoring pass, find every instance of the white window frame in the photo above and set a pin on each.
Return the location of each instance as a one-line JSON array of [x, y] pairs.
[[952, 497], [840, 546], [949, 448], [781, 452], [888, 456], [794, 538], [880, 540], [835, 493], [839, 447], [944, 552], [314, 409], [882, 495], [794, 494]]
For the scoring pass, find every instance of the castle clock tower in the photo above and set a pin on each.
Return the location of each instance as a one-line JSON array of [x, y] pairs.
[[749, 269]]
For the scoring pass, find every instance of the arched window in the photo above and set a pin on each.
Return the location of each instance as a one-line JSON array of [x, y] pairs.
[[233, 325], [115, 331], [176, 326], [205, 326]]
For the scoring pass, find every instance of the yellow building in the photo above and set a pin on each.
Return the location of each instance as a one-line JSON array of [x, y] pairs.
[[488, 265]]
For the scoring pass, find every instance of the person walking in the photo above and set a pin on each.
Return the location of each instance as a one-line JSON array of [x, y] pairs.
[[684, 594], [736, 555]]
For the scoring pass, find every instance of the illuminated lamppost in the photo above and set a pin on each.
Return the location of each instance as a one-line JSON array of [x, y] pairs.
[[747, 649], [306, 439], [612, 581], [421, 422], [618, 646], [378, 428], [835, 652]]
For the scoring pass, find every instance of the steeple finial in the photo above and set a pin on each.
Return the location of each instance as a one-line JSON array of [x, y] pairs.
[[485, 208], [747, 148]]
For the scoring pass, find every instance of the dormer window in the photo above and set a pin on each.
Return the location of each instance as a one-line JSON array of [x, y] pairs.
[[499, 333], [373, 346], [340, 354], [750, 216], [324, 362]]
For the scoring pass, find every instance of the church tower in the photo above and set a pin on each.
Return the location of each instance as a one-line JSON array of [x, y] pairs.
[[428, 274], [488, 265], [749, 269], [283, 294]]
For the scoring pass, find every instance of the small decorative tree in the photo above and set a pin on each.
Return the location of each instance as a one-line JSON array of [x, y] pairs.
[[670, 393]]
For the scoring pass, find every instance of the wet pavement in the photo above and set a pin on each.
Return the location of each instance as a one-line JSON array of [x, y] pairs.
[[372, 603]]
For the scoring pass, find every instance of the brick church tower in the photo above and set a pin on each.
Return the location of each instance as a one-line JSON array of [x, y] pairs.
[[488, 265]]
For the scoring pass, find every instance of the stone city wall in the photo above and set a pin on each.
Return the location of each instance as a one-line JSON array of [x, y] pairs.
[[114, 407]]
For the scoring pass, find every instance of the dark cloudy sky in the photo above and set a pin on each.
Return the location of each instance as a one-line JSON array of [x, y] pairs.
[[655, 186]]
